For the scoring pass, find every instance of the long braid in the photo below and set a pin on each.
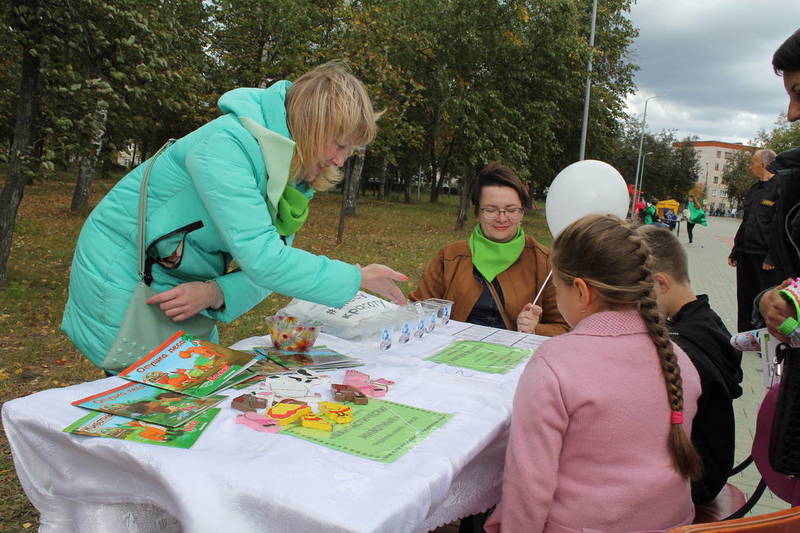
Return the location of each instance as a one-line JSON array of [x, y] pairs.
[[607, 254], [684, 455]]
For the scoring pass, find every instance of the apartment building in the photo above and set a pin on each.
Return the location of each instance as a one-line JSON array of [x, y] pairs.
[[712, 156]]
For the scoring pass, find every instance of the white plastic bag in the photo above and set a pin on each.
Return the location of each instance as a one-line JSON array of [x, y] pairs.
[[343, 322]]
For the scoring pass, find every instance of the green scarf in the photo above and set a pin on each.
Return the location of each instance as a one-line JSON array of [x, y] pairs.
[[491, 257], [292, 211]]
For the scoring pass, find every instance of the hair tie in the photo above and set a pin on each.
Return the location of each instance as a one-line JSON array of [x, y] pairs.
[[677, 417]]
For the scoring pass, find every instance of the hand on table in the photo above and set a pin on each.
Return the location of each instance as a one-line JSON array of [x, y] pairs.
[[775, 309], [380, 279], [187, 299], [529, 318]]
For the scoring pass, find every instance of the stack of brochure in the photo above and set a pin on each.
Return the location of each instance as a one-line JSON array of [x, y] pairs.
[[317, 358], [171, 398]]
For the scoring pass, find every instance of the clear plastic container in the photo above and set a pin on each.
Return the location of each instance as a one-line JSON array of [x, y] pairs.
[[444, 308], [418, 315], [430, 312], [406, 323]]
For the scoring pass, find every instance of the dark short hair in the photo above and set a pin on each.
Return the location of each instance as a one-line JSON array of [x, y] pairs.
[[787, 56], [497, 174], [666, 252]]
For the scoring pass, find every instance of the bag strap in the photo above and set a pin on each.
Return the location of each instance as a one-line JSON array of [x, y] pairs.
[[142, 214], [499, 304]]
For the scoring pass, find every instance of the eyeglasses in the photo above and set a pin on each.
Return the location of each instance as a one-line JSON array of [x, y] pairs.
[[492, 212]]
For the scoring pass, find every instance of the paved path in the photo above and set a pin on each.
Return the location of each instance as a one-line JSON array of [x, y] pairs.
[[710, 274]]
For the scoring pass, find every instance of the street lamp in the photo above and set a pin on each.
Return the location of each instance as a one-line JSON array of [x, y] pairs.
[[636, 183], [588, 91], [641, 177]]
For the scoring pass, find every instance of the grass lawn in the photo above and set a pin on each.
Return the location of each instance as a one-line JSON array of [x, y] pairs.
[[36, 355]]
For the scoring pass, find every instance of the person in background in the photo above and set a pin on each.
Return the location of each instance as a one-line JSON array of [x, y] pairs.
[[693, 216], [699, 331], [601, 416], [236, 189], [750, 255], [670, 219], [493, 277], [650, 213]]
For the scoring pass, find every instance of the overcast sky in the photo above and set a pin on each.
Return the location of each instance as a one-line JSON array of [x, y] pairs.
[[711, 61]]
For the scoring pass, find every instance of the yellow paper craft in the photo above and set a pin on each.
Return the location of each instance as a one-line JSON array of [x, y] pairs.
[[314, 421], [286, 412], [339, 413]]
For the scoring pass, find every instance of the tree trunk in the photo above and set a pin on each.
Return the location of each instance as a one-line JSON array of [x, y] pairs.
[[531, 200], [21, 147], [83, 185], [406, 188], [382, 192], [467, 182], [443, 171], [434, 188], [352, 180], [352, 175]]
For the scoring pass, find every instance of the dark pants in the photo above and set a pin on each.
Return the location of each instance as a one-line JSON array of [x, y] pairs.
[[751, 279], [689, 228]]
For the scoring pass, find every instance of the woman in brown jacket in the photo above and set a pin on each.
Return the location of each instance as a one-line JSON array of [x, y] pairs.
[[493, 276]]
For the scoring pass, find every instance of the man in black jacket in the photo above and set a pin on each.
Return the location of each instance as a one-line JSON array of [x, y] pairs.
[[751, 253], [699, 331]]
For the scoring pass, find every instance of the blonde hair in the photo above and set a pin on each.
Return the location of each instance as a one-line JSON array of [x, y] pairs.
[[609, 255], [324, 106]]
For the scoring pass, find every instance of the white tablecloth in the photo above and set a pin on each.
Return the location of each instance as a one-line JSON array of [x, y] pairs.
[[237, 480]]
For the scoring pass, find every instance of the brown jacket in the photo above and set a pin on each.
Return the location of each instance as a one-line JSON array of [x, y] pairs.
[[450, 276]]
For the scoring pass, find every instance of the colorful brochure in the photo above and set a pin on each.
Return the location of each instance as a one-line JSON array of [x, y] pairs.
[[481, 356], [150, 404], [189, 365], [119, 427], [318, 357], [381, 430]]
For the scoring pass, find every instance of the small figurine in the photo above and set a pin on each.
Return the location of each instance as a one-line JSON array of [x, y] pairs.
[[249, 402], [338, 412], [296, 385], [347, 393], [258, 422], [287, 411], [375, 388], [314, 421]]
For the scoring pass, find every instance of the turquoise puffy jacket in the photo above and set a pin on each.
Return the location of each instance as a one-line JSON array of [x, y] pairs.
[[214, 190]]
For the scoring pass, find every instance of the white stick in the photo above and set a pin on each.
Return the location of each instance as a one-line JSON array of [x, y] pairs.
[[542, 287]]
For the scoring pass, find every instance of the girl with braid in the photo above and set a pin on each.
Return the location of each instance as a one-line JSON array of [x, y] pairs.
[[601, 417]]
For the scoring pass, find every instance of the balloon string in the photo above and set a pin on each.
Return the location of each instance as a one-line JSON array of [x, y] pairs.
[[542, 287]]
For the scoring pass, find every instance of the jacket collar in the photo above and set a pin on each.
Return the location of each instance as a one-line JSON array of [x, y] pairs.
[[611, 324]]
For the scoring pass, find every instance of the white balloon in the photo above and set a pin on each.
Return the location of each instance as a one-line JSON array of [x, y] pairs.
[[585, 188]]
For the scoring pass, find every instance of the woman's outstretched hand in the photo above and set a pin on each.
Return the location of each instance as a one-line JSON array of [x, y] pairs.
[[187, 299], [381, 279]]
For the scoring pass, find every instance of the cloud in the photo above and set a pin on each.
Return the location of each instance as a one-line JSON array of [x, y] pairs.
[[711, 62]]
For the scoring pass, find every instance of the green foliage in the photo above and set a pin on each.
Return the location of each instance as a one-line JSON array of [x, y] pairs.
[[462, 82], [782, 137], [737, 176], [669, 169]]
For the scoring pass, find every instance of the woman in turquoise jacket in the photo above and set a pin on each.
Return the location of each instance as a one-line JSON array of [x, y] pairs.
[[236, 188]]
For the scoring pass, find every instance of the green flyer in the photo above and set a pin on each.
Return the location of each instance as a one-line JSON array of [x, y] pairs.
[[381, 430], [481, 356]]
